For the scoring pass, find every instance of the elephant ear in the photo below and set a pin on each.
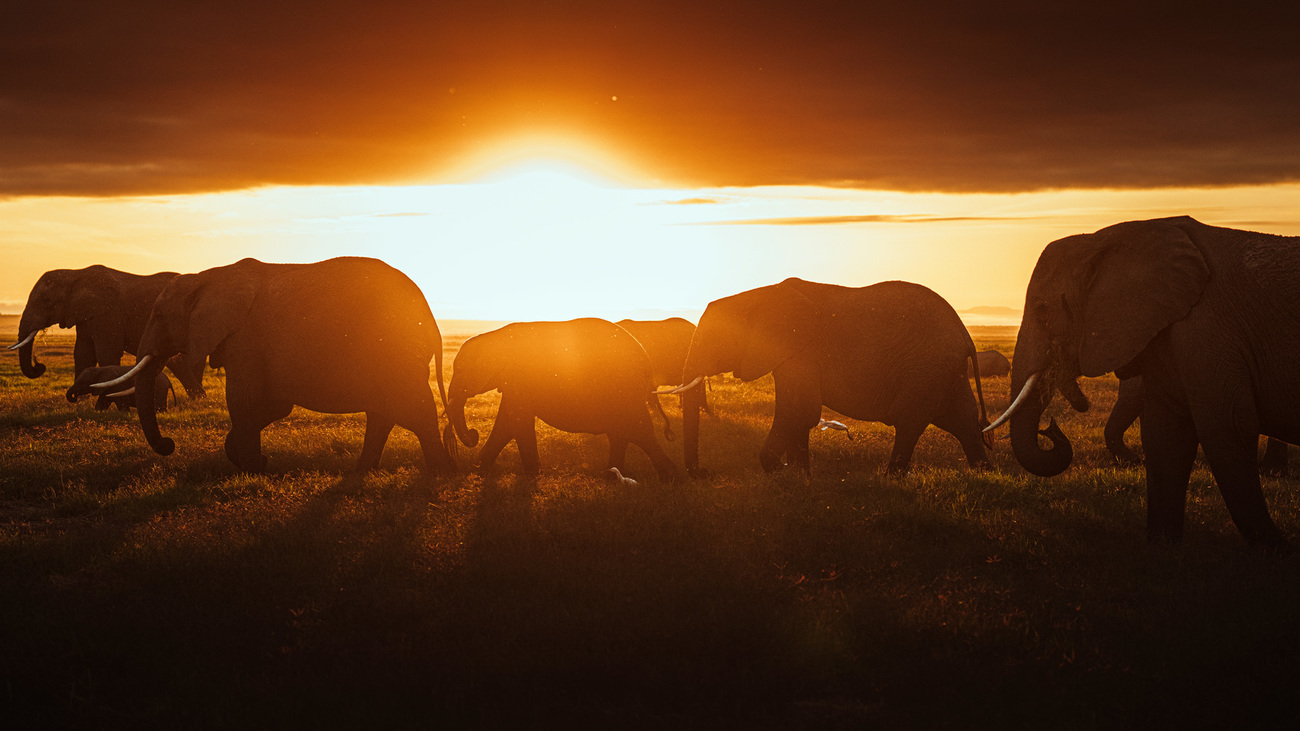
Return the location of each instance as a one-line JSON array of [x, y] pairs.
[[1146, 276], [96, 295], [780, 324], [217, 309]]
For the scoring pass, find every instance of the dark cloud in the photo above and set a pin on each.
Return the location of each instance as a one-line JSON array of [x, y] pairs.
[[131, 97]]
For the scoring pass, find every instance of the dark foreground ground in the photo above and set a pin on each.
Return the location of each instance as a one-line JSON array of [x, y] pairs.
[[146, 592]]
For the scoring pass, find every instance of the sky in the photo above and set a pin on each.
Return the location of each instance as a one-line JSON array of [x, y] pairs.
[[529, 160]]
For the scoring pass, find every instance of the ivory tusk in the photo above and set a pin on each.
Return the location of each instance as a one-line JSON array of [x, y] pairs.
[[125, 376], [1024, 393], [687, 387], [127, 392], [25, 341]]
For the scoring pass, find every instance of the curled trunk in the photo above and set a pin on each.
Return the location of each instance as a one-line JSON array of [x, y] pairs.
[[26, 358], [147, 408], [456, 418], [1025, 433]]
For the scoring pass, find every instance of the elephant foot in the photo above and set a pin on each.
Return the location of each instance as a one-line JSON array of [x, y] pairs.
[[897, 472], [770, 462]]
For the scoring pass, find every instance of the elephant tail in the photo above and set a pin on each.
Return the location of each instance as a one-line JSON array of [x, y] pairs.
[[659, 406], [442, 390], [979, 390]]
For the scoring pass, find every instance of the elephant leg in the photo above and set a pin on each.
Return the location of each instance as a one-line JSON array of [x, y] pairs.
[[250, 413], [643, 436], [960, 418], [1169, 441], [102, 403], [906, 435], [420, 415], [377, 430], [797, 453], [502, 433], [773, 449], [617, 450], [526, 440], [1275, 458], [1232, 460], [798, 409]]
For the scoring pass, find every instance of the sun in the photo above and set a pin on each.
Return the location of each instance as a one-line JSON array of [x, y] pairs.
[[554, 155]]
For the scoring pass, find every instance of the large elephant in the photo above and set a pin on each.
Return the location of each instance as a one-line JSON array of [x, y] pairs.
[[1209, 317], [1127, 409], [667, 342], [587, 376], [339, 336], [893, 352], [123, 396], [108, 308]]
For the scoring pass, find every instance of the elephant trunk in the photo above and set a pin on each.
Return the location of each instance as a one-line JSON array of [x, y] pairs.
[[72, 394], [147, 408], [1025, 433], [27, 329], [456, 417]]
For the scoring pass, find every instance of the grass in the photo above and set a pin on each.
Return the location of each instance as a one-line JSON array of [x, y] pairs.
[[140, 591]]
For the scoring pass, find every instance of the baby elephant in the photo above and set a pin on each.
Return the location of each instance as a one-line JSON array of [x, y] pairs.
[[992, 363], [122, 396], [587, 375]]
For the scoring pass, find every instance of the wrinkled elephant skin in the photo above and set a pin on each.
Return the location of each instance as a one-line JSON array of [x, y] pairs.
[[1209, 317], [340, 336], [109, 309], [586, 376], [893, 352]]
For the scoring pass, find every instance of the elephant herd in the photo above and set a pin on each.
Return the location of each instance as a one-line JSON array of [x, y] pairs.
[[1201, 323]]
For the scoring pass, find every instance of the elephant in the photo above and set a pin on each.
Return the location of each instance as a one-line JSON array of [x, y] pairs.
[[893, 352], [667, 342], [586, 375], [1127, 409], [1209, 317], [123, 399], [108, 308], [344, 335], [991, 363]]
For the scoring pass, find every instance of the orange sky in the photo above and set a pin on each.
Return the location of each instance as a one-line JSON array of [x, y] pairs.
[[942, 142]]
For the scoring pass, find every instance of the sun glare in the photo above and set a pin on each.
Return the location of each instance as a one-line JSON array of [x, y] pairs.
[[536, 154]]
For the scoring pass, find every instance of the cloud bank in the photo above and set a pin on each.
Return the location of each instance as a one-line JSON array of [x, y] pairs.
[[162, 97]]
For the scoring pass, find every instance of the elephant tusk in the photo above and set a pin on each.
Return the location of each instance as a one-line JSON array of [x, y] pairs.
[[127, 392], [125, 376], [1024, 393], [25, 341], [687, 387]]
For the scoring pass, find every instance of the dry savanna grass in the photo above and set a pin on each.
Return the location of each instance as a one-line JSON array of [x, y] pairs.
[[142, 591]]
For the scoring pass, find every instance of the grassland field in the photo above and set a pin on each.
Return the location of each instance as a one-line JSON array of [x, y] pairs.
[[138, 591]]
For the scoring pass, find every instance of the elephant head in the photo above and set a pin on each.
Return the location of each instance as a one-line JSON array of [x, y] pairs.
[[82, 298], [1093, 304], [194, 314], [477, 369], [748, 334]]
